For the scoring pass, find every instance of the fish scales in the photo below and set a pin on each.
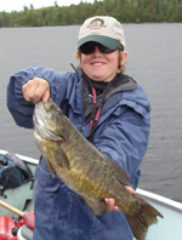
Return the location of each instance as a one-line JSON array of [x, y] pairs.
[[92, 171], [85, 170]]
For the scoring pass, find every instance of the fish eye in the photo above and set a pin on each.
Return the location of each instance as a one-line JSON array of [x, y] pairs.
[[47, 106], [50, 107]]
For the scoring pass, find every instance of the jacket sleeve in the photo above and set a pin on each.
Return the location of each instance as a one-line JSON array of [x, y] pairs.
[[125, 138], [21, 110]]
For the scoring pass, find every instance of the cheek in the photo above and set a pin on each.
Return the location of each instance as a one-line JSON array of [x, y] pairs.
[[114, 59], [83, 60], [114, 62]]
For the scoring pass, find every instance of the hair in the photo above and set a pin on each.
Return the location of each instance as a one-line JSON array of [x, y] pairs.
[[121, 68]]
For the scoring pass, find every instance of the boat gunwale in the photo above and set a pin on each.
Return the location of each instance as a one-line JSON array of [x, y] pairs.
[[160, 200], [22, 157]]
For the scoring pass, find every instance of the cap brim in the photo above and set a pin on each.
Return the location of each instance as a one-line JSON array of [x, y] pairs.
[[106, 41]]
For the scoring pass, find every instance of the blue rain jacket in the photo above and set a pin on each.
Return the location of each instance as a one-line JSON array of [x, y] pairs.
[[122, 134]]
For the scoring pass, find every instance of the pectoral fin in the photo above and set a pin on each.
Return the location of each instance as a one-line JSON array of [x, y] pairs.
[[97, 206], [62, 159], [51, 169]]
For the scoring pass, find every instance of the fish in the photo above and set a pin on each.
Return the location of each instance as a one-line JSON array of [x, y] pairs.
[[86, 170]]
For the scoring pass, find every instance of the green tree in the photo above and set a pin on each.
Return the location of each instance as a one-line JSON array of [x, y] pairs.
[[4, 19], [123, 10]]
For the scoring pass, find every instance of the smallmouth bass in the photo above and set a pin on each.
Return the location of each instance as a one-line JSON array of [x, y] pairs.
[[85, 170]]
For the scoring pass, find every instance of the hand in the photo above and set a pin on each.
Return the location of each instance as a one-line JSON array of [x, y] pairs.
[[29, 219], [111, 202], [36, 90], [111, 205]]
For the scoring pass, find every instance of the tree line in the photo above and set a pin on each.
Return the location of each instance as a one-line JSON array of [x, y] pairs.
[[126, 11]]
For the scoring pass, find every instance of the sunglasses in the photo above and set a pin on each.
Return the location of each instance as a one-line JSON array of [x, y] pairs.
[[89, 48]]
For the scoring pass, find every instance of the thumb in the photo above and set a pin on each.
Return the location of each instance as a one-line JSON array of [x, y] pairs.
[[46, 96]]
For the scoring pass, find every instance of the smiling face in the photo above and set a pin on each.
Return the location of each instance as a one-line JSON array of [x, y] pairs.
[[101, 66]]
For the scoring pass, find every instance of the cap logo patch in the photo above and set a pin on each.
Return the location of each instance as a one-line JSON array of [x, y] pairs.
[[97, 23]]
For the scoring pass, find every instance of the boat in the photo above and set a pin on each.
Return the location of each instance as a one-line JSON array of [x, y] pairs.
[[21, 197], [167, 228], [16, 202]]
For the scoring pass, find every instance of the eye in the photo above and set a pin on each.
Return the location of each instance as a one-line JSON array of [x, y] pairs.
[[47, 107]]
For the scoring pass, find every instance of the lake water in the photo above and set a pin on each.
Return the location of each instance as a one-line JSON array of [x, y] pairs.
[[155, 61]]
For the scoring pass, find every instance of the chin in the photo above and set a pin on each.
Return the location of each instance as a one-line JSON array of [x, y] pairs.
[[99, 79]]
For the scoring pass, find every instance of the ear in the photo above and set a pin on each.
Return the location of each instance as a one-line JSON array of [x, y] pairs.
[[124, 58]]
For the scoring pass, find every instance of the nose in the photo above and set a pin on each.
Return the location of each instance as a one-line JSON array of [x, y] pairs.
[[96, 50]]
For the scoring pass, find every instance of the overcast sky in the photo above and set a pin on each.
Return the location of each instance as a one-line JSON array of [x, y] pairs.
[[18, 5]]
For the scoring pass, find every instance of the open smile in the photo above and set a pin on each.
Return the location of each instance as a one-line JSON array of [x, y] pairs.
[[97, 64]]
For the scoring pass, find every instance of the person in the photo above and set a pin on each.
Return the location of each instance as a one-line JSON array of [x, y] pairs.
[[108, 107]]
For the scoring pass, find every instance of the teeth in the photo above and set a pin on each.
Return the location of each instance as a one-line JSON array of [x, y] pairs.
[[97, 64]]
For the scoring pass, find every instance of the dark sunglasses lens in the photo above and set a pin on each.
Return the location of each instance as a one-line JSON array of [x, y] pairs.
[[89, 48], [105, 49]]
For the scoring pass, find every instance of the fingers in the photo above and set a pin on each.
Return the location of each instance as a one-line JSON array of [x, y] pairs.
[[35, 90], [111, 202], [130, 189], [111, 205]]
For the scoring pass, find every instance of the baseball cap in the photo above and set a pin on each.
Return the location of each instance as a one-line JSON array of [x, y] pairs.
[[102, 29]]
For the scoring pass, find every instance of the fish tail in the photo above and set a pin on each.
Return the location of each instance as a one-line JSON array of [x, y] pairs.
[[144, 216]]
